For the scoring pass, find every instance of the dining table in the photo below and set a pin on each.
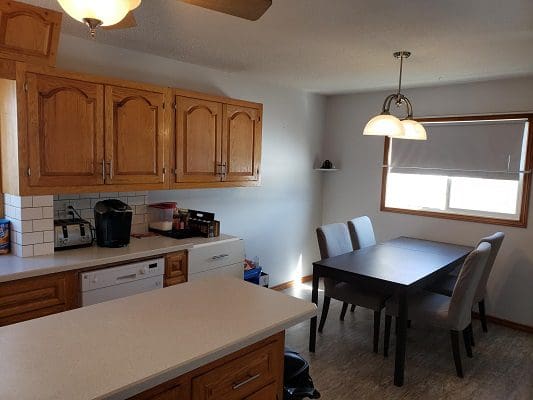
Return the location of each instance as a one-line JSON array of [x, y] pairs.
[[399, 266]]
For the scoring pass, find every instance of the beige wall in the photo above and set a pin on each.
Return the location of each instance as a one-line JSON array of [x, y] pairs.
[[355, 190]]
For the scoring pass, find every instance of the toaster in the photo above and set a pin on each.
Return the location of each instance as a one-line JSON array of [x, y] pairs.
[[72, 233]]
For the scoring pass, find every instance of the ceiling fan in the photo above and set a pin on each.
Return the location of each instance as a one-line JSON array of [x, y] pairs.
[[118, 14]]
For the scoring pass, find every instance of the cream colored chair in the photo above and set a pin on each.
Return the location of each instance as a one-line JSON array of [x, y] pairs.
[[452, 313], [334, 240], [446, 285]]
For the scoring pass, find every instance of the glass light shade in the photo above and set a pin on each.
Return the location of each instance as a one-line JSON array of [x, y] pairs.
[[384, 125], [110, 12], [413, 130]]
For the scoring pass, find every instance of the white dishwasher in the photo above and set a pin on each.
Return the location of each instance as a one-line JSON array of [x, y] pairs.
[[125, 280]]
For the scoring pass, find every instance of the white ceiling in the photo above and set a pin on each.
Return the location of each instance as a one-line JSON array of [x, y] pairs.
[[335, 46]]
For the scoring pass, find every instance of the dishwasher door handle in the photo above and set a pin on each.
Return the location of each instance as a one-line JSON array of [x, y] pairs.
[[131, 276], [219, 256]]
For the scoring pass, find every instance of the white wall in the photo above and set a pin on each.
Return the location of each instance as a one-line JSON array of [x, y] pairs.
[[278, 219], [355, 190]]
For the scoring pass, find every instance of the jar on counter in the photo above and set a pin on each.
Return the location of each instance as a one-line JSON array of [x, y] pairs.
[[161, 216]]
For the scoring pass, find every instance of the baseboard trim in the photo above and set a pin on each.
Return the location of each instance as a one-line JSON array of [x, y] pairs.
[[286, 285], [507, 323]]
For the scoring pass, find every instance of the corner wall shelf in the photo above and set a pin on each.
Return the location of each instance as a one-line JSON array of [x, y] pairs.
[[327, 169]]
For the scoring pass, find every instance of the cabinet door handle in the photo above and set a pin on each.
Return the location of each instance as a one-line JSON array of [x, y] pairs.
[[103, 169], [246, 381], [110, 162], [219, 256]]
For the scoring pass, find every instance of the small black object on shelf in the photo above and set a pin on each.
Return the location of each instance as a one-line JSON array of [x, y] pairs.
[[327, 165]]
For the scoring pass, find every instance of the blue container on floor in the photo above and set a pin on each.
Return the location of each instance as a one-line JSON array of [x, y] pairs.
[[252, 275]]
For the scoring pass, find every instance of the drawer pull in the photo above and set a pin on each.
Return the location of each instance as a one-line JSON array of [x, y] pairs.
[[219, 256], [132, 276], [246, 381]]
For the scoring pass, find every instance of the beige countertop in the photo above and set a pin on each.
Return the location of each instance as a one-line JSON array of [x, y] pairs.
[[116, 349], [12, 267]]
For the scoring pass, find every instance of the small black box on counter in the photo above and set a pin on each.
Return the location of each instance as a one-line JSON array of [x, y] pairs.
[[204, 223]]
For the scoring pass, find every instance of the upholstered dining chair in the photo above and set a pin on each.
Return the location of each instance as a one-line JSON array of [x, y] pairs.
[[452, 313], [333, 240], [445, 286]]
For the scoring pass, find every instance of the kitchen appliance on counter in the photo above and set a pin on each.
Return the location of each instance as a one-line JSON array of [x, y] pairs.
[[113, 223], [125, 280], [191, 223], [72, 233]]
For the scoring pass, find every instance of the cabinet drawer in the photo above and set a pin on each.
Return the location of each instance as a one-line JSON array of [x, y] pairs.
[[240, 377], [269, 392], [176, 268], [36, 297], [204, 258]]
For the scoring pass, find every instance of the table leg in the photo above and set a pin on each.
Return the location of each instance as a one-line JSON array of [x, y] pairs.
[[401, 338], [314, 299]]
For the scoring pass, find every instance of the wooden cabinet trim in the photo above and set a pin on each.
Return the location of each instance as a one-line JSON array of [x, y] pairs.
[[176, 268], [32, 26], [35, 297], [150, 157], [276, 342]]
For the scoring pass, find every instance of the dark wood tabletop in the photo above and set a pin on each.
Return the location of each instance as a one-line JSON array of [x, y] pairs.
[[399, 266]]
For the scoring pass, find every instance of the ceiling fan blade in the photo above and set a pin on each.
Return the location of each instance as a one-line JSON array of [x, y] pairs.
[[247, 9], [128, 22]]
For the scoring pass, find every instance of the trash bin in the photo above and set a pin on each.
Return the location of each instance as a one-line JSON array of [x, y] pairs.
[[297, 384]]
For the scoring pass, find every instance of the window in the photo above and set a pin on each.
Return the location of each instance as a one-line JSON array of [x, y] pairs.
[[470, 168]]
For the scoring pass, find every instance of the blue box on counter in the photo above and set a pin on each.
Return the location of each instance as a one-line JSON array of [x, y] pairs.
[[252, 275]]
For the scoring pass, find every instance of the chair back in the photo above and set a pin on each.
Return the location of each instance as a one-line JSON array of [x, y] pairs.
[[495, 240], [361, 232], [459, 312], [333, 240]]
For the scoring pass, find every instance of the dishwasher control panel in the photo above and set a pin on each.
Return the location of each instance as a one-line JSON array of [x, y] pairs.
[[122, 274]]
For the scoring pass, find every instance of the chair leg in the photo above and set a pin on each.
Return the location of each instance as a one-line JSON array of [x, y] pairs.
[[352, 309], [325, 309], [471, 334], [482, 315], [386, 335], [466, 339], [454, 335], [344, 309], [377, 321]]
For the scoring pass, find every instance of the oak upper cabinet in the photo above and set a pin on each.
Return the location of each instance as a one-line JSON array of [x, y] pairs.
[[198, 140], [134, 136], [65, 131], [28, 33], [241, 143]]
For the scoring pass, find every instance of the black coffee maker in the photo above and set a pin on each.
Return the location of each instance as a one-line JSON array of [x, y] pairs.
[[113, 223]]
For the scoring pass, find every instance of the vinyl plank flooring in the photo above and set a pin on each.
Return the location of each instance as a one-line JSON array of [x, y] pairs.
[[345, 368]]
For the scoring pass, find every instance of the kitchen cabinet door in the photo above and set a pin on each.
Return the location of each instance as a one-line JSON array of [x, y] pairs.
[[36, 297], [176, 268], [198, 140], [135, 136], [65, 131], [28, 33], [241, 143]]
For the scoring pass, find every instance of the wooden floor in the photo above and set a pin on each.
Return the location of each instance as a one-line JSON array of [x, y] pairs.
[[345, 368]]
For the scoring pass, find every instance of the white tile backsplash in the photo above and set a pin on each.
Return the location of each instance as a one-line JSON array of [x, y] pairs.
[[32, 217]]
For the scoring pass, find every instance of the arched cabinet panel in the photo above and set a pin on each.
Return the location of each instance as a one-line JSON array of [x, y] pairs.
[[198, 140], [135, 136], [65, 131], [29, 33]]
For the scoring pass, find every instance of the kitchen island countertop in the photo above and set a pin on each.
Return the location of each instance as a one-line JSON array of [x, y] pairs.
[[116, 349], [13, 267]]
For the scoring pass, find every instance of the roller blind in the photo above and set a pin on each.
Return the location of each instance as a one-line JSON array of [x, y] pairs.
[[492, 149]]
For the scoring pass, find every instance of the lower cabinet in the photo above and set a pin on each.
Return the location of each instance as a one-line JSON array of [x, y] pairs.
[[253, 373], [36, 297], [175, 268]]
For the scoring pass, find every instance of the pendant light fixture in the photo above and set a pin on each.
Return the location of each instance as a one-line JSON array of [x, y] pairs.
[[386, 124], [95, 13]]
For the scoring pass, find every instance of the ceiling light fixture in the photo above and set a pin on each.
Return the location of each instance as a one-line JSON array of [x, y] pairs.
[[95, 13], [386, 124]]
